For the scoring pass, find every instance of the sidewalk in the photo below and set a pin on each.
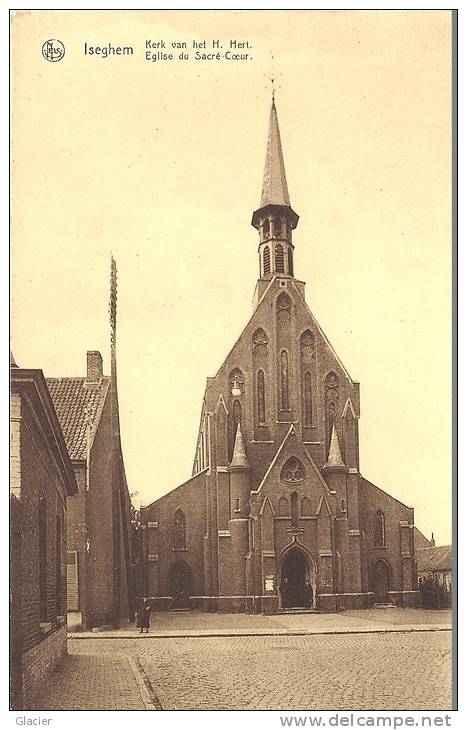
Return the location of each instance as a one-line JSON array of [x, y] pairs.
[[197, 624], [95, 683]]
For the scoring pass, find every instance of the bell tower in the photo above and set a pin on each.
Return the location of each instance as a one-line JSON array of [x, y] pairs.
[[275, 219]]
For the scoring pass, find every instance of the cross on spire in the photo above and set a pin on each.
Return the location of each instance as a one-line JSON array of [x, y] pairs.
[[273, 78]]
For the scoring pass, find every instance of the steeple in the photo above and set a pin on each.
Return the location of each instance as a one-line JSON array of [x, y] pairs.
[[275, 218], [275, 190]]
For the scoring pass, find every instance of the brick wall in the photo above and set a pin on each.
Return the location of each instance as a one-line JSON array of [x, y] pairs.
[[15, 444], [76, 522], [39, 661], [372, 499], [350, 527], [39, 480], [101, 566], [260, 454], [37, 642], [191, 499], [100, 525]]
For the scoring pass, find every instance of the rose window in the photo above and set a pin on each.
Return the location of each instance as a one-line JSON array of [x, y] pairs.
[[292, 471]]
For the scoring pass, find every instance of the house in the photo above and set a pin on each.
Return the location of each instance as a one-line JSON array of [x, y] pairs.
[[435, 562], [99, 573], [42, 481]]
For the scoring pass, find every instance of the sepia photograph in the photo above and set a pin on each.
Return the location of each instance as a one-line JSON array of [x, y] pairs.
[[231, 353]]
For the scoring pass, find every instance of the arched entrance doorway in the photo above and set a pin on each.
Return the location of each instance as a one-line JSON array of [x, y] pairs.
[[381, 581], [180, 584], [298, 580]]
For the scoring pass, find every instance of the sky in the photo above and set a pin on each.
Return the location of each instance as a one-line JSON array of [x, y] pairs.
[[161, 163]]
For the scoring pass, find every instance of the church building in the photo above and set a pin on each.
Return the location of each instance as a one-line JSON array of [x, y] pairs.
[[277, 515]]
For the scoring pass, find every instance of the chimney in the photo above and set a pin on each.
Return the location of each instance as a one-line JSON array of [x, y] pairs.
[[94, 367], [432, 540]]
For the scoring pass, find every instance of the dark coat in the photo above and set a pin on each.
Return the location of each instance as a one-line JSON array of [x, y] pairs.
[[143, 615]]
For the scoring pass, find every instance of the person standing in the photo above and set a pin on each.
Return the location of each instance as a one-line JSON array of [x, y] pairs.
[[143, 616]]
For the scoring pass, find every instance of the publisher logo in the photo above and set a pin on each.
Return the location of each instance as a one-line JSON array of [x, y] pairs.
[[53, 50]]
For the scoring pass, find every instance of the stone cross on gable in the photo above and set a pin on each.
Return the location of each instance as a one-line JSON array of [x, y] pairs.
[[295, 532]]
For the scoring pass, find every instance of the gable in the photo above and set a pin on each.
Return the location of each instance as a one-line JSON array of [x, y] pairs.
[[279, 333], [264, 317], [189, 493], [292, 470], [79, 408]]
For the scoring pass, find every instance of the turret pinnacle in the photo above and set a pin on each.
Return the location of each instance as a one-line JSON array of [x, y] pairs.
[[275, 190], [334, 457], [239, 457]]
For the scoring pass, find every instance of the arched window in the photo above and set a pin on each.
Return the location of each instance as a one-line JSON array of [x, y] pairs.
[[179, 531], [283, 304], [284, 381], [260, 341], [277, 227], [236, 391], [236, 381], [331, 398], [305, 507], [43, 567], [290, 261], [380, 531], [308, 377], [283, 507], [266, 227], [294, 509], [307, 399], [279, 258], [261, 398], [266, 261], [237, 414]]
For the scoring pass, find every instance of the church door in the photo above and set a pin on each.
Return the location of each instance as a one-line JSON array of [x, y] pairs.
[[180, 584], [294, 574], [381, 581]]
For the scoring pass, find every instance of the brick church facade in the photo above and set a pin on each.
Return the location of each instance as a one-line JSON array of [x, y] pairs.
[[277, 514]]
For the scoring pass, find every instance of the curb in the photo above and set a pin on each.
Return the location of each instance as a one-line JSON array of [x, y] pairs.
[[240, 633], [148, 696]]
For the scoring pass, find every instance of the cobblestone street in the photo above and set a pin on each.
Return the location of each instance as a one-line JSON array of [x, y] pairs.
[[395, 671]]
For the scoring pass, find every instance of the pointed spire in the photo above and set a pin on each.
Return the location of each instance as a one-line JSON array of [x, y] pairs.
[[275, 190], [12, 361], [334, 456], [275, 220], [239, 457]]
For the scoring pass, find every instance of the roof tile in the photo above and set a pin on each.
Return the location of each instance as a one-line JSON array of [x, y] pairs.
[[434, 558], [76, 403]]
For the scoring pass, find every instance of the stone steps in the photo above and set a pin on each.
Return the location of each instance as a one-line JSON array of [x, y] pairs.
[[297, 611]]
